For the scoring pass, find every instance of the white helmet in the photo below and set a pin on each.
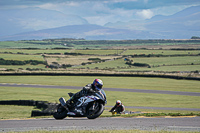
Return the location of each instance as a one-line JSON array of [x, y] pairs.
[[118, 102]]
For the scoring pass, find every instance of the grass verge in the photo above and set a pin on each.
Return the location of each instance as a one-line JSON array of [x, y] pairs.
[[15, 112], [128, 99], [154, 115], [109, 82]]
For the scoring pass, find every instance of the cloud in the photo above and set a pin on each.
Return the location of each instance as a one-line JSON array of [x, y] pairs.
[[149, 4], [95, 12], [125, 4], [146, 1], [103, 11], [102, 14], [145, 14]]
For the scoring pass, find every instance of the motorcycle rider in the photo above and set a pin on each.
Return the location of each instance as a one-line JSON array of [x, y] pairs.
[[119, 107], [89, 89]]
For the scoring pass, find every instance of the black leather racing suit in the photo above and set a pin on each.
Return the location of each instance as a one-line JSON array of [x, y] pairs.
[[118, 108], [87, 90]]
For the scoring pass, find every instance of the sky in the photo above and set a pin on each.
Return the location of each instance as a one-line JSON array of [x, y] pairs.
[[101, 12]]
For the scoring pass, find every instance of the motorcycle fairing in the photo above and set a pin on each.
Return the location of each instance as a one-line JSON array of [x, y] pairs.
[[101, 95], [85, 100], [81, 105]]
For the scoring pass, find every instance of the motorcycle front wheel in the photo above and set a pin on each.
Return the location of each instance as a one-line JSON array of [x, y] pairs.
[[94, 110], [60, 113]]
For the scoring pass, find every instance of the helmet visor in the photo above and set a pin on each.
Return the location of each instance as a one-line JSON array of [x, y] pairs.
[[98, 87]]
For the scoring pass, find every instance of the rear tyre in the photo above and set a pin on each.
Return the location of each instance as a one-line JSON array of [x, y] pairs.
[[94, 110], [60, 113]]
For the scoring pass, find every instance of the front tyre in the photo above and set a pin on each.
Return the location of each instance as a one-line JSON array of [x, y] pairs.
[[94, 110], [61, 113]]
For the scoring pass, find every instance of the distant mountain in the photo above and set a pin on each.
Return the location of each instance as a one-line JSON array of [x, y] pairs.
[[91, 32], [187, 20], [182, 25], [32, 19]]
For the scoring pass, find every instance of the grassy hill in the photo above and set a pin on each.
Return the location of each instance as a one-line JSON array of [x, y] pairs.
[[113, 56]]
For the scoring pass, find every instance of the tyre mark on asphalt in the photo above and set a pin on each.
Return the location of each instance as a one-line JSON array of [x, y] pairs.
[[106, 89]]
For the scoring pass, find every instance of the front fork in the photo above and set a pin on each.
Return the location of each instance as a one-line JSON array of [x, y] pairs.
[[94, 106]]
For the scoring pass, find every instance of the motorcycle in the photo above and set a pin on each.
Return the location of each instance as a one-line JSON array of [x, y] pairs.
[[87, 106]]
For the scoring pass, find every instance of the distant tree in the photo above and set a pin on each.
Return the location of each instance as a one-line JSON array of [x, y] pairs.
[[94, 59], [195, 37]]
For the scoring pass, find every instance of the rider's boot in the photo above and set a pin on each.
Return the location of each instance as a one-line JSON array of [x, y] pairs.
[[64, 103], [70, 102]]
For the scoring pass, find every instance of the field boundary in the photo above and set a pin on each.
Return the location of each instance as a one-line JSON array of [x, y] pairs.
[[100, 74]]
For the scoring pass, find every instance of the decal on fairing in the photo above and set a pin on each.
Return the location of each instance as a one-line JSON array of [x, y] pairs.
[[86, 99], [93, 97], [81, 100]]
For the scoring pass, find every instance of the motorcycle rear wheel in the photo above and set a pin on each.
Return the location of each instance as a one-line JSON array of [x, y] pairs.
[[61, 113], [92, 114]]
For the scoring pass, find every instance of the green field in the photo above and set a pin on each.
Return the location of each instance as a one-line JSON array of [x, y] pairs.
[[167, 60], [184, 63], [24, 67], [103, 51], [100, 51], [97, 44], [128, 99], [18, 44], [21, 57], [161, 52], [37, 51], [110, 82], [61, 51], [178, 68], [12, 112]]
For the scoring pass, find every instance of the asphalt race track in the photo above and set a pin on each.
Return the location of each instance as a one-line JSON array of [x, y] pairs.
[[170, 124]]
